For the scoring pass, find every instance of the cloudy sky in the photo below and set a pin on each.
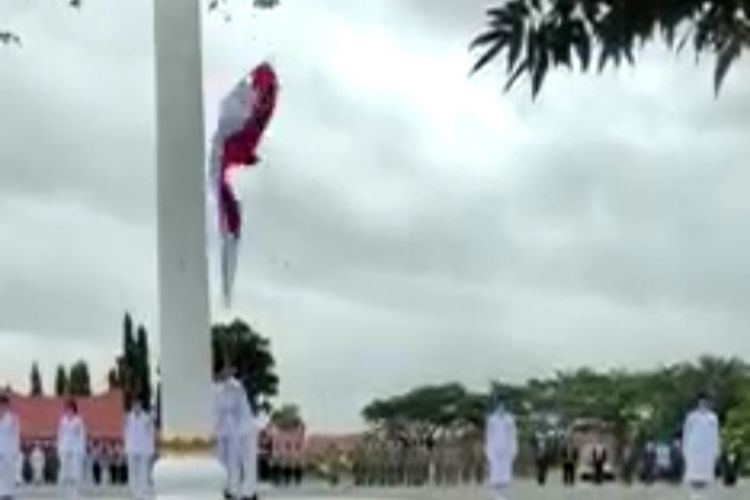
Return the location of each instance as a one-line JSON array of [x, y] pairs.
[[409, 224]]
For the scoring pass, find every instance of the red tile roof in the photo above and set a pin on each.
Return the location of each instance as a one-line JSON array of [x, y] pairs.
[[103, 414]]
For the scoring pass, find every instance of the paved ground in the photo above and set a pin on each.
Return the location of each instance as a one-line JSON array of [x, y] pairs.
[[521, 491]]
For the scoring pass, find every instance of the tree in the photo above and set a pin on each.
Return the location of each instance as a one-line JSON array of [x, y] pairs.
[[79, 382], [636, 406], [36, 381], [132, 373], [250, 355], [113, 381], [419, 415], [536, 36], [287, 418], [736, 431], [143, 369], [61, 382]]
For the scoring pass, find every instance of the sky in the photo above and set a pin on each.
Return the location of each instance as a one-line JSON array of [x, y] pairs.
[[408, 225]]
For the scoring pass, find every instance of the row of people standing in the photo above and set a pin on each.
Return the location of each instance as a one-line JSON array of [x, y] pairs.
[[700, 450], [102, 466], [648, 463], [71, 448]]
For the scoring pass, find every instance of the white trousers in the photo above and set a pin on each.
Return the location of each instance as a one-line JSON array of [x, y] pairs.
[[139, 476], [8, 473], [238, 456], [499, 492], [699, 491], [71, 472], [38, 473]]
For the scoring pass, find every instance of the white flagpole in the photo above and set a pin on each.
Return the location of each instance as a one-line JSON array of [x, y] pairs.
[[185, 357]]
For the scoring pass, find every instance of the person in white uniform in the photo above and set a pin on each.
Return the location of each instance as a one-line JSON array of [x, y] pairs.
[[236, 432], [71, 448], [10, 449], [37, 465], [139, 448], [701, 445], [501, 448]]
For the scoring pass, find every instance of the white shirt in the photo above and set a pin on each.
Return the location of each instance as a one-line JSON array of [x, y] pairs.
[[37, 458], [139, 434], [10, 439], [701, 445], [501, 439], [232, 414], [71, 435]]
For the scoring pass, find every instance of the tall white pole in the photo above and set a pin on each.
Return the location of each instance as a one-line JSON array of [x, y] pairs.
[[185, 358]]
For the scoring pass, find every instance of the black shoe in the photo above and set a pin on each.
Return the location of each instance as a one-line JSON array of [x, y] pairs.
[[227, 495]]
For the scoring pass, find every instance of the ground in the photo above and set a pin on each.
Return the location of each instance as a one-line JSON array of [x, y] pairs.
[[521, 491]]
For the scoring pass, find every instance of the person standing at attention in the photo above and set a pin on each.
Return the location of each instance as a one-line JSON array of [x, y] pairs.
[[501, 448], [71, 448], [701, 445], [139, 449], [10, 449]]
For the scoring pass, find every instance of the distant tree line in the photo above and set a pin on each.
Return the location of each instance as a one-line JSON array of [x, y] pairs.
[[75, 381], [234, 343], [638, 405]]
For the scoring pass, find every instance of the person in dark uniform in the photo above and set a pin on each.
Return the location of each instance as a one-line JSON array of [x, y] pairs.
[[648, 464], [599, 461], [541, 458], [731, 462], [676, 462], [569, 459]]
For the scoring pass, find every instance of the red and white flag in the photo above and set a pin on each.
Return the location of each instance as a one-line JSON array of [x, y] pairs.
[[243, 117]]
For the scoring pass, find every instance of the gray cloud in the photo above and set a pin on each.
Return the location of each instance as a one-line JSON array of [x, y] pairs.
[[408, 225]]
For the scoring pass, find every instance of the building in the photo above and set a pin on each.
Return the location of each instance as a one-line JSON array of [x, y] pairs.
[[283, 447], [103, 414]]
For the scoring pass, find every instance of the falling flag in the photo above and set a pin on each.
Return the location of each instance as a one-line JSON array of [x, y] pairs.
[[243, 117]]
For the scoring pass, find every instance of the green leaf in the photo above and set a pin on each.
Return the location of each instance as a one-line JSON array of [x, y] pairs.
[[582, 44], [521, 69], [515, 45], [539, 73], [488, 56], [724, 61], [492, 36]]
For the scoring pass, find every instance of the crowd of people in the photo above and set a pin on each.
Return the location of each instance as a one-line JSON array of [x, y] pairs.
[[441, 462], [103, 465], [695, 459], [71, 462]]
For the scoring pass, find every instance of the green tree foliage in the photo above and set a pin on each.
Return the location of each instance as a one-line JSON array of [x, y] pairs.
[[287, 418], [133, 371], [79, 381], [113, 380], [418, 416], [144, 389], [736, 431], [637, 405], [250, 355], [536, 36], [61, 382], [35, 381]]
